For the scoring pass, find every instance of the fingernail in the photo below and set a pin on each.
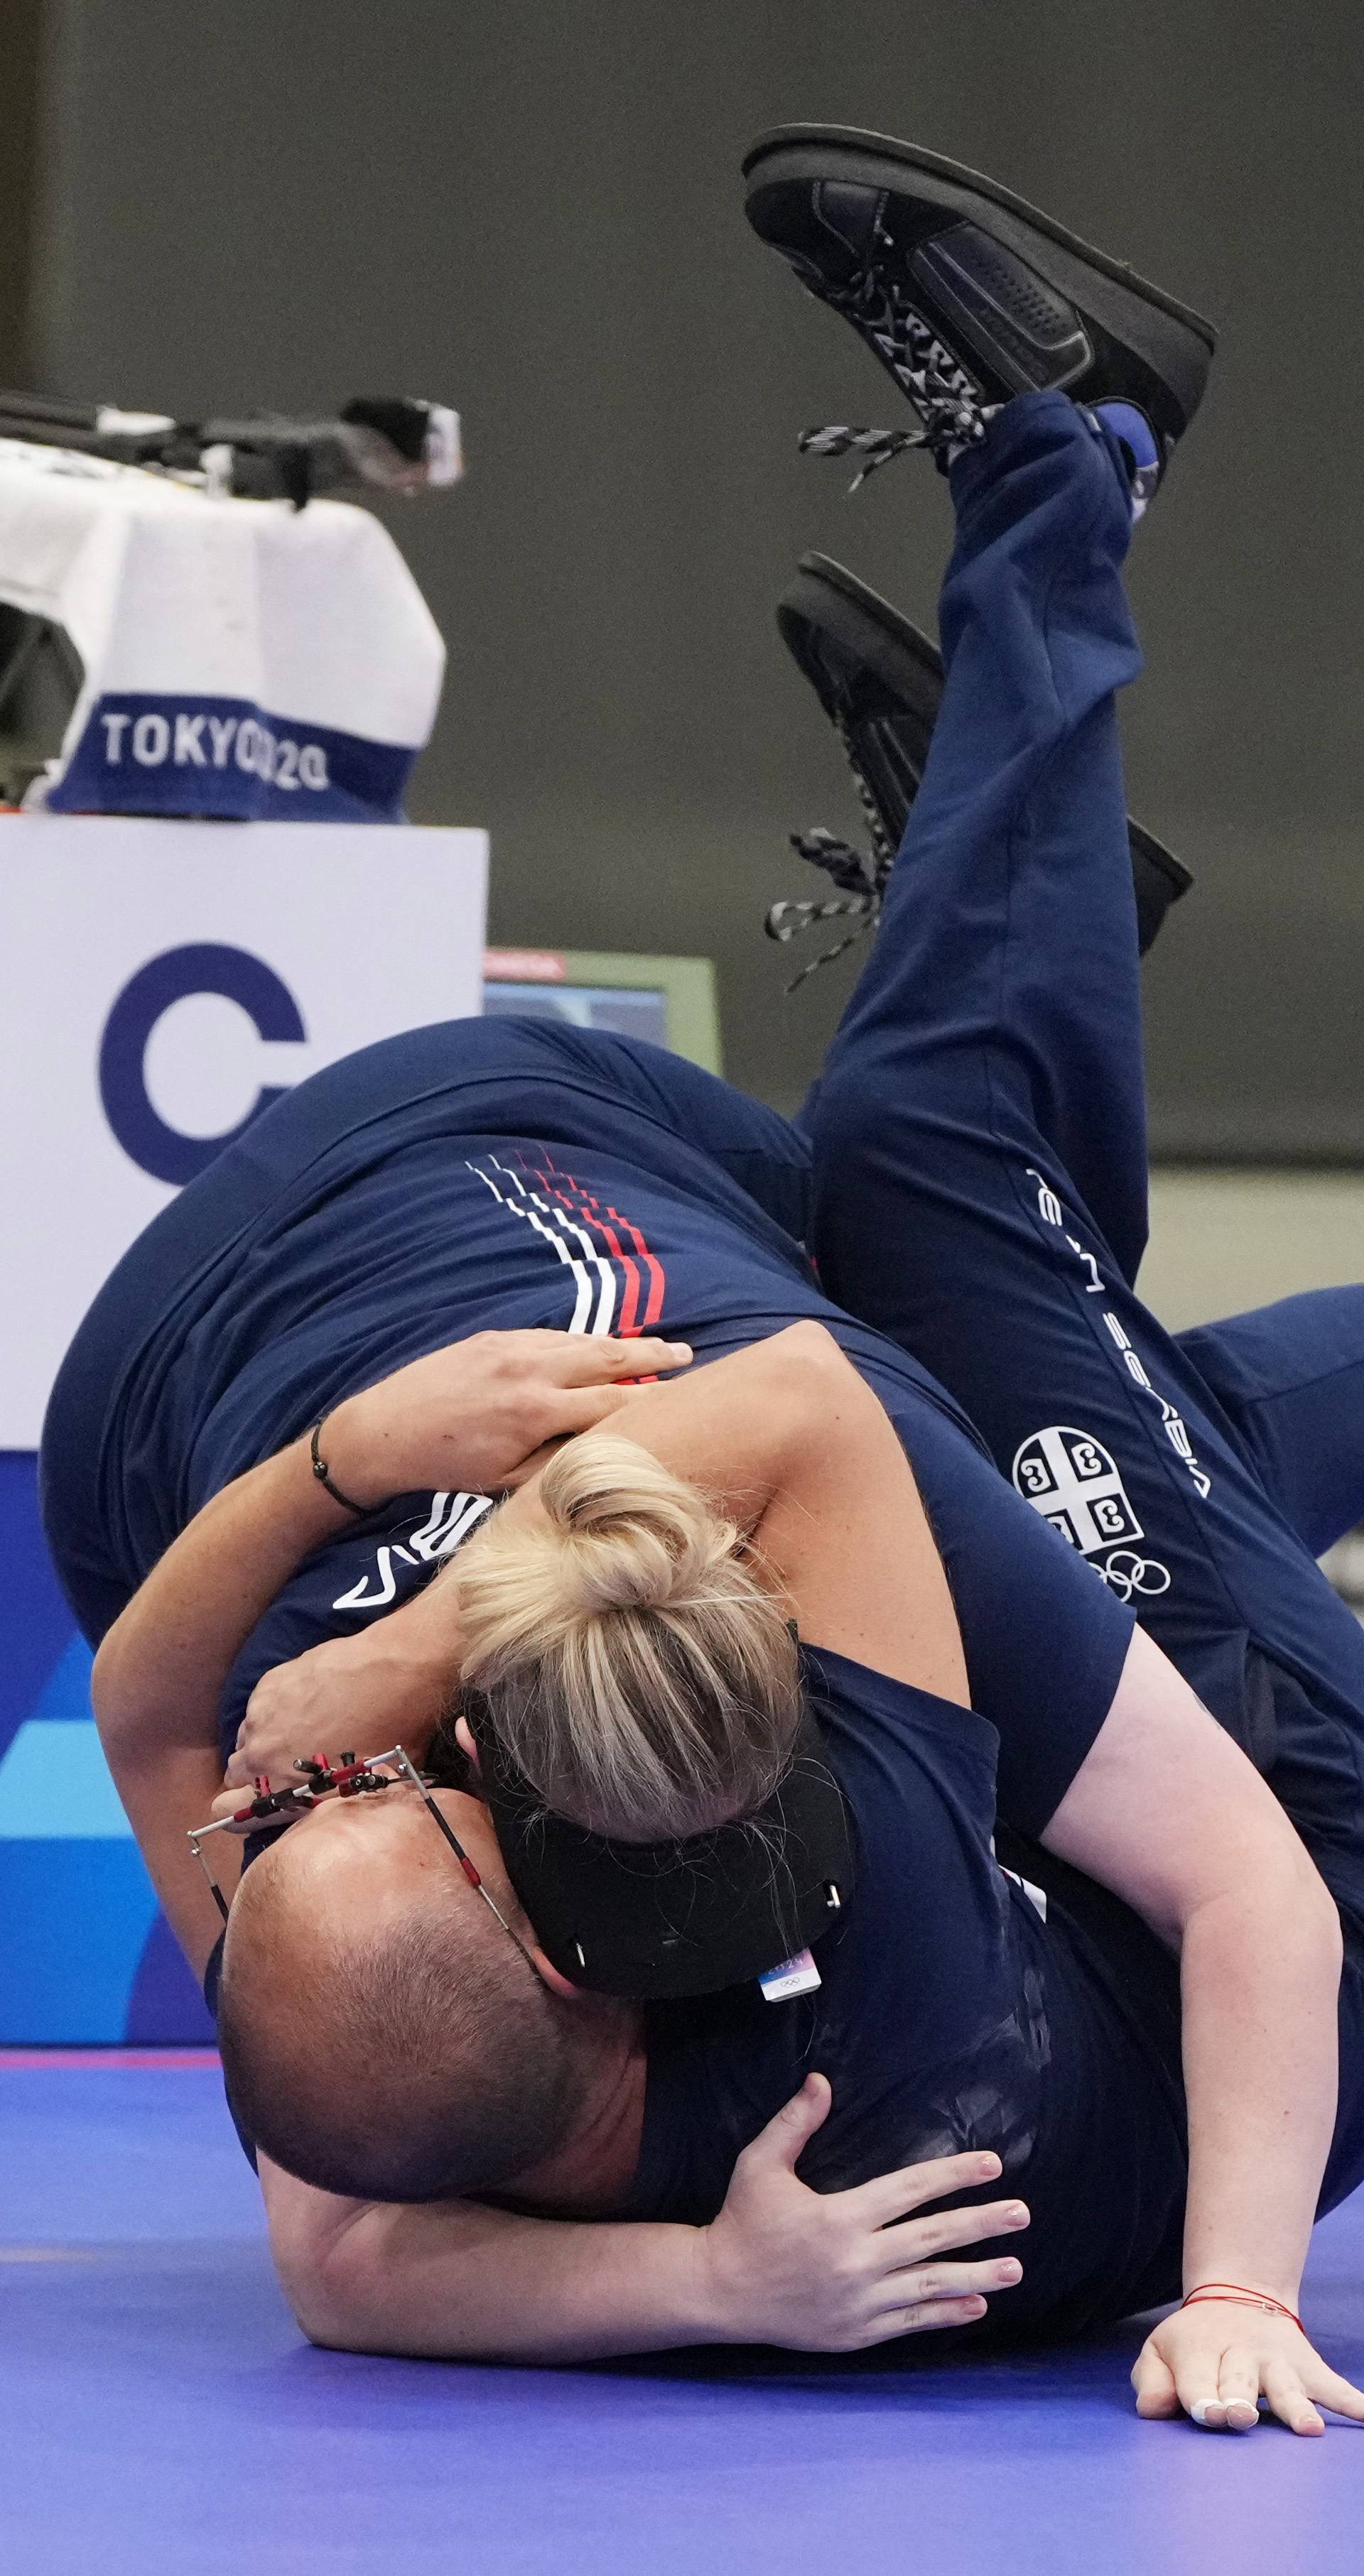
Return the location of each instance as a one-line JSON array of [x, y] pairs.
[[1011, 2271], [1199, 2414], [1016, 2216], [976, 2307], [990, 2165]]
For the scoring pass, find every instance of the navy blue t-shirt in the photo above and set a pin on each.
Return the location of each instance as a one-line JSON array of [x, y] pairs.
[[431, 1244], [951, 2016], [483, 1175]]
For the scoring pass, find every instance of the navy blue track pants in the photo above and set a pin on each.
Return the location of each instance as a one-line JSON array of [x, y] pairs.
[[980, 1175]]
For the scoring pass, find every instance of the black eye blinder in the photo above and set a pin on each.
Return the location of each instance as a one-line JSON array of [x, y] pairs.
[[665, 1920]]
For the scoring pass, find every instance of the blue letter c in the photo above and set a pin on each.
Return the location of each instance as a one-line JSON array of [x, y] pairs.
[[202, 967]]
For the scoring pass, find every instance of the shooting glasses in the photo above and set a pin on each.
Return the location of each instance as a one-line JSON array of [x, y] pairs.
[[647, 1920], [345, 1779]]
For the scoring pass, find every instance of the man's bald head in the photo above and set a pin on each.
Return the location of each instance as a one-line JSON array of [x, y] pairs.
[[381, 2035]]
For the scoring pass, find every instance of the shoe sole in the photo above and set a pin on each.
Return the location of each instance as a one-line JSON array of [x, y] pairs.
[[832, 601], [1108, 290]]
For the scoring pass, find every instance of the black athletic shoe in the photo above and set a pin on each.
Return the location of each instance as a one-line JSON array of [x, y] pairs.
[[968, 296], [880, 682]]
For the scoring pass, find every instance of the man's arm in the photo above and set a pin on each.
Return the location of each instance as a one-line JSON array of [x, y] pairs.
[[160, 1672], [783, 1435], [1168, 1812], [813, 2271], [390, 1683]]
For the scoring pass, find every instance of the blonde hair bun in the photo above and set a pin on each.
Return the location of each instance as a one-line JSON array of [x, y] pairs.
[[634, 1665], [634, 1535]]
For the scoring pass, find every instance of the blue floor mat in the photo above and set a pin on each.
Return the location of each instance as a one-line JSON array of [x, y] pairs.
[[161, 2413]]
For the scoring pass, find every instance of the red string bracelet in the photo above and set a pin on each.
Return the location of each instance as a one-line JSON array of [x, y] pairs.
[[1234, 2296]]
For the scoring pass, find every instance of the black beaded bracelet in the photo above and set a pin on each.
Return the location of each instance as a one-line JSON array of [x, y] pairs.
[[361, 1510]]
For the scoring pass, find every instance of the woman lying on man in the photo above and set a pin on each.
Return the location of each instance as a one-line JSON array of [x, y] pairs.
[[772, 1657]]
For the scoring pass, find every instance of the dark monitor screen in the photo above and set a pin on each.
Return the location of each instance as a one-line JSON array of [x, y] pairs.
[[641, 1013], [665, 1001]]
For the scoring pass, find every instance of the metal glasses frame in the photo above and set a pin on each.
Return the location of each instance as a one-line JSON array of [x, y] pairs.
[[347, 1778]]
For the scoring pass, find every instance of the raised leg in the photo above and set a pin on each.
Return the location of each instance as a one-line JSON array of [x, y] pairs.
[[1291, 1378], [978, 1135], [1001, 1000]]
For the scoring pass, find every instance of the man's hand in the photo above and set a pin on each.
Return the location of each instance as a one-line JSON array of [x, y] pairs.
[[1216, 2360], [831, 2271], [362, 1693], [481, 1415], [781, 2264]]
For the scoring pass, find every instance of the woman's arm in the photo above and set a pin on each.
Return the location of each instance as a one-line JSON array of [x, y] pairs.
[[783, 1435], [813, 2271], [1169, 1813], [791, 1443]]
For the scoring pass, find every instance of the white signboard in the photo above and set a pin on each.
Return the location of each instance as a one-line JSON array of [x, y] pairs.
[[155, 979]]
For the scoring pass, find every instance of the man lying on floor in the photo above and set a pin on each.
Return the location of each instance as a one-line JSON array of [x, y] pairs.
[[395, 2036]]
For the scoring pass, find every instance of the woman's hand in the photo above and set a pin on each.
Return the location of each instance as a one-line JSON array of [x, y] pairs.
[[360, 1693], [1216, 2360], [477, 1416], [830, 2271]]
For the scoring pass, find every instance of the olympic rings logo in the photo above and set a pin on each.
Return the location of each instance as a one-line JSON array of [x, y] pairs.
[[1127, 1573]]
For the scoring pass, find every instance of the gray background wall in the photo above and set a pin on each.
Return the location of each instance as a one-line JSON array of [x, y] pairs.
[[20, 36], [533, 211]]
